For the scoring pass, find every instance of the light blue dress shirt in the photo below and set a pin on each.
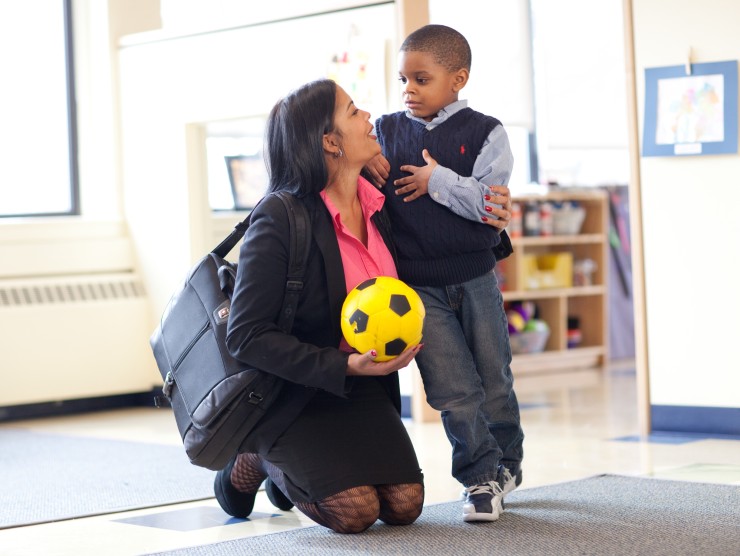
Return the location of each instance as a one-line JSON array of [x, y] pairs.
[[493, 166]]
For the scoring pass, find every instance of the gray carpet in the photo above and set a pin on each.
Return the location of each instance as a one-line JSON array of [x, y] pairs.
[[604, 515], [45, 477]]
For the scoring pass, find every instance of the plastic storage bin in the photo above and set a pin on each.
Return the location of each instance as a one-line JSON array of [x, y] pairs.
[[568, 220], [551, 270], [529, 342]]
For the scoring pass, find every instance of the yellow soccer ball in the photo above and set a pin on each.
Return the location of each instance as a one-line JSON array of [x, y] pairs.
[[383, 314]]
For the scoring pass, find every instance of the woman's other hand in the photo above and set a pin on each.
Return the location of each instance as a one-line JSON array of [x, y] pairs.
[[364, 364], [498, 204]]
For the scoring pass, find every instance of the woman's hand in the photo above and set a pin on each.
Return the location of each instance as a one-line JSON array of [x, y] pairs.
[[364, 364], [498, 203], [378, 169]]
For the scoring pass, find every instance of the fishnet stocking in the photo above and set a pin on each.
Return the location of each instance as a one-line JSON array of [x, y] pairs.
[[247, 474], [350, 511], [400, 504]]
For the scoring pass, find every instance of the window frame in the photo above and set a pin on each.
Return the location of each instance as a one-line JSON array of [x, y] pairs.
[[74, 181], [74, 175]]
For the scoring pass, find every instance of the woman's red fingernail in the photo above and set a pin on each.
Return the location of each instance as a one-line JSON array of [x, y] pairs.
[[487, 197], [484, 219], [489, 209], [373, 353]]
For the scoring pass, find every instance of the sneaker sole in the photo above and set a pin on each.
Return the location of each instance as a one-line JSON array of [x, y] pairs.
[[474, 516]]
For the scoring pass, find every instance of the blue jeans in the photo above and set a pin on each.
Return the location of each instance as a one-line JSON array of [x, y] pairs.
[[465, 367]]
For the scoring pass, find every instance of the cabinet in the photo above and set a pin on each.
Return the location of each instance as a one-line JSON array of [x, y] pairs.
[[580, 301], [557, 366]]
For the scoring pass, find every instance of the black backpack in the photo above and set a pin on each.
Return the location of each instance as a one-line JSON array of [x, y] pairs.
[[218, 400]]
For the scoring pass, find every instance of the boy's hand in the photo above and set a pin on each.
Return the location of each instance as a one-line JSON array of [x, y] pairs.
[[498, 204], [378, 169], [418, 181]]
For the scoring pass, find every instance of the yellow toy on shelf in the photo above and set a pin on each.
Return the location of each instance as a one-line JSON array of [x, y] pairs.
[[551, 270]]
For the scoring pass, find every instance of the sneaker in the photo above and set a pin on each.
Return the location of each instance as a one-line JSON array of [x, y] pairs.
[[483, 502], [508, 481]]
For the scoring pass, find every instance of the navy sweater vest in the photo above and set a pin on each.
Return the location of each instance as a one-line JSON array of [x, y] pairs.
[[435, 246]]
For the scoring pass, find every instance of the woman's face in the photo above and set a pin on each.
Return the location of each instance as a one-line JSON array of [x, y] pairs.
[[354, 129]]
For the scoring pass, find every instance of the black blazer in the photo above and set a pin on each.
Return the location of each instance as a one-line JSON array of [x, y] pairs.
[[308, 358]]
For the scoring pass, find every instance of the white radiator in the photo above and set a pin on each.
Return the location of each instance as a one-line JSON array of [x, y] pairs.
[[72, 337]]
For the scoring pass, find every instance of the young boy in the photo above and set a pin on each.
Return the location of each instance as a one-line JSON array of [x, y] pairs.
[[441, 147]]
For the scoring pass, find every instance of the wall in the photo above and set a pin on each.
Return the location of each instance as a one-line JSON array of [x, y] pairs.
[[688, 205], [691, 234], [74, 317], [171, 86], [500, 81]]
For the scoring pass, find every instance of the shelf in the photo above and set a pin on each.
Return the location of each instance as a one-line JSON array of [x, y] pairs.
[[562, 195], [557, 257], [562, 380], [555, 361], [512, 295], [580, 239], [557, 367]]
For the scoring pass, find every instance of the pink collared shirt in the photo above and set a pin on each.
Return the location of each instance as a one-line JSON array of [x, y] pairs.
[[360, 262]]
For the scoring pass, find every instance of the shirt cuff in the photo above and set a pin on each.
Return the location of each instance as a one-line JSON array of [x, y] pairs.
[[436, 187]]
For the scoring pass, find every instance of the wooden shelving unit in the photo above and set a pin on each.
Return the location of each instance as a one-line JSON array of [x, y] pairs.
[[559, 366]]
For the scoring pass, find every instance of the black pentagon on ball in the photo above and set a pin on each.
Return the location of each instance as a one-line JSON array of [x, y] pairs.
[[359, 318], [395, 347], [366, 284], [399, 304]]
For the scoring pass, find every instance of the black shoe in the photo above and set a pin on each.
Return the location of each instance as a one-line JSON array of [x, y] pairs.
[[276, 496], [233, 502]]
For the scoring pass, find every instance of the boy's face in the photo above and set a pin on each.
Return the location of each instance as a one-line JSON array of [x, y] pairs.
[[427, 85]]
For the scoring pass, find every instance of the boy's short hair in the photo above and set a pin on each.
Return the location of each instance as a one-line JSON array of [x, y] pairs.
[[449, 48]]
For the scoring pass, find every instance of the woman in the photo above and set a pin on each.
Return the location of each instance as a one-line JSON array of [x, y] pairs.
[[333, 444]]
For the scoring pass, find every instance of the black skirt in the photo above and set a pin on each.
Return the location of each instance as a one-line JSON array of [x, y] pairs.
[[340, 443]]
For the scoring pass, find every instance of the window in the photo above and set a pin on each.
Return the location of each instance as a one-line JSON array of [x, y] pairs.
[[38, 172], [580, 92]]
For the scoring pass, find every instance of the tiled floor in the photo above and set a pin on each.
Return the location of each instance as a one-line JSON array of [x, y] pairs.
[[569, 435]]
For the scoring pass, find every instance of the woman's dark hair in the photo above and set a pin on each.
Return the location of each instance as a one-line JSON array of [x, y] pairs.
[[294, 138]]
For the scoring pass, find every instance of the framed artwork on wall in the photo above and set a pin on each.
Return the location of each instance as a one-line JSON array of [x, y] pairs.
[[691, 110]]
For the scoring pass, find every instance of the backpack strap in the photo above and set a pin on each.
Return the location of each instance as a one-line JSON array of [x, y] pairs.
[[223, 248], [300, 243]]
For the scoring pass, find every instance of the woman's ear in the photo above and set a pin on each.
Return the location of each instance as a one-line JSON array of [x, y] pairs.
[[331, 146], [460, 79]]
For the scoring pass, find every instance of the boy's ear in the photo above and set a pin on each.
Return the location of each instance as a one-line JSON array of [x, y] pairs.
[[460, 79]]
